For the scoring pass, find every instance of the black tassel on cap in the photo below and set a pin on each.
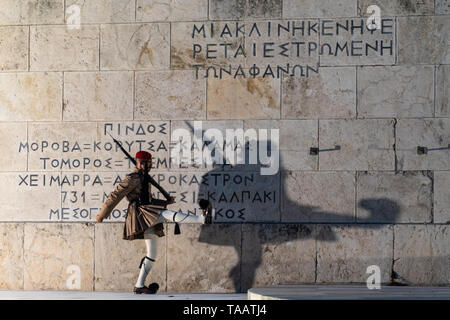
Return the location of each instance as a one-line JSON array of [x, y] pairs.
[[177, 229]]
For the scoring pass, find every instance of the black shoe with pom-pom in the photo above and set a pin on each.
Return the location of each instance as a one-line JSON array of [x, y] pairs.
[[151, 289]]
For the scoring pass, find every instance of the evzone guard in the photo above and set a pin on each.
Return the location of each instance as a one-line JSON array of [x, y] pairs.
[[145, 215]]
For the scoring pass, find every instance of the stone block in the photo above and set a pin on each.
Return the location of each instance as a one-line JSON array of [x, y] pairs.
[[135, 46], [252, 98], [32, 96], [274, 254], [318, 8], [442, 91], [189, 47], [329, 94], [178, 10], [56, 146], [11, 256], [364, 144], [224, 10], [397, 7], [442, 6], [349, 41], [13, 135], [310, 197], [60, 48], [296, 137], [29, 196], [101, 11], [396, 91], [204, 258], [423, 40], [264, 9], [58, 256], [117, 260], [170, 95], [298, 160], [14, 49], [434, 134], [346, 257], [13, 12], [91, 96], [421, 254], [441, 197], [150, 136], [244, 9], [389, 197]]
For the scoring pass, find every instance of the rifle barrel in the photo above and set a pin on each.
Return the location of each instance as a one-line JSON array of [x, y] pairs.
[[123, 150]]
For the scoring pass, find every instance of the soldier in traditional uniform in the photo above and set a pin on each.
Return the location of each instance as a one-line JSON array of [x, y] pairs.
[[144, 219]]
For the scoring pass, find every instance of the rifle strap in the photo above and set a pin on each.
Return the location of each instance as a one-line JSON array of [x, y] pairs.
[[153, 182]]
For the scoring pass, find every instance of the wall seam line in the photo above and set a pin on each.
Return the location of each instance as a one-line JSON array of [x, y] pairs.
[[393, 254], [62, 96], [29, 48], [355, 215], [134, 96], [99, 45], [93, 262], [28, 151], [23, 256], [241, 257], [435, 89], [356, 92], [316, 252]]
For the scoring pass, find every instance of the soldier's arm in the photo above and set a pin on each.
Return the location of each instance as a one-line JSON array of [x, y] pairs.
[[121, 190]]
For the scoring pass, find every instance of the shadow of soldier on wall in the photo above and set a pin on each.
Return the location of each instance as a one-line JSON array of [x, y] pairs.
[[261, 218]]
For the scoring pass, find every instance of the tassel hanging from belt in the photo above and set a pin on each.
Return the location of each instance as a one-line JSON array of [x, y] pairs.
[[177, 226], [177, 229]]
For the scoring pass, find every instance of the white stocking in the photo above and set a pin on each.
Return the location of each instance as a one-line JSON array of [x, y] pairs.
[[151, 243], [181, 217]]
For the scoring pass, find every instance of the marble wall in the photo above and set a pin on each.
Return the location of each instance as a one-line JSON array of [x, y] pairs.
[[72, 72]]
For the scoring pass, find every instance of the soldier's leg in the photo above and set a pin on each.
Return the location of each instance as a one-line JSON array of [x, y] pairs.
[[180, 217], [147, 261]]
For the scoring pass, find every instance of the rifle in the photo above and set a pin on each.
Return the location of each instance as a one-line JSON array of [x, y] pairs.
[[151, 180]]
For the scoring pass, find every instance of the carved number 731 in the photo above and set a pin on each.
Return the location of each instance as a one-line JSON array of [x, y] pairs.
[[73, 196]]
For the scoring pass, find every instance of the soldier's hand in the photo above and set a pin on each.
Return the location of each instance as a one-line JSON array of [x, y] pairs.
[[171, 200], [98, 218]]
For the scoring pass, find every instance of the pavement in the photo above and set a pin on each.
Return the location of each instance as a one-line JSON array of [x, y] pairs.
[[347, 292], [280, 292], [102, 295]]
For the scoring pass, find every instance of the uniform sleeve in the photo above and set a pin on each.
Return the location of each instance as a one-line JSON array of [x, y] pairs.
[[121, 190]]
